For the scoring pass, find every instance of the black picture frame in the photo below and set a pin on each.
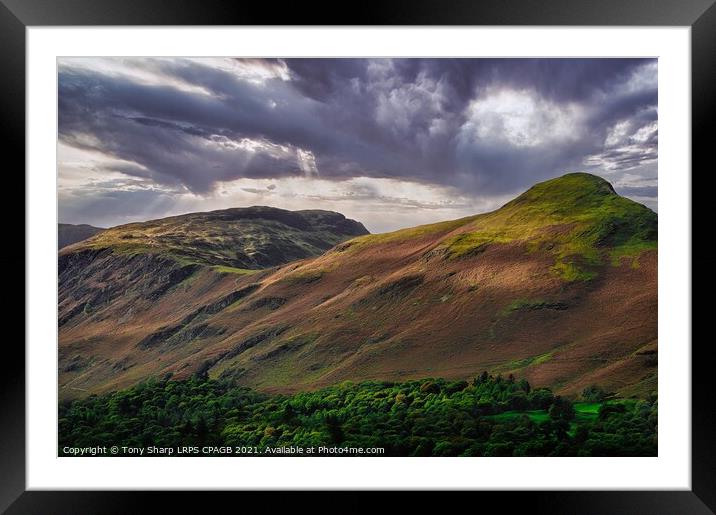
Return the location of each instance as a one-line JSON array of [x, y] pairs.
[[17, 15]]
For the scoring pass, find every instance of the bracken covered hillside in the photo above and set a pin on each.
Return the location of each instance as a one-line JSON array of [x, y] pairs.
[[559, 286]]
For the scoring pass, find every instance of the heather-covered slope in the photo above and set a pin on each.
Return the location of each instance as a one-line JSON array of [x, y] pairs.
[[558, 286]]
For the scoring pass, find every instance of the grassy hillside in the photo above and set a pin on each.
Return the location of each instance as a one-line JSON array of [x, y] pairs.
[[558, 286], [578, 218]]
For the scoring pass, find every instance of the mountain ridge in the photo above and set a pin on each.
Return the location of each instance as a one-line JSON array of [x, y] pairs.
[[561, 291], [245, 238]]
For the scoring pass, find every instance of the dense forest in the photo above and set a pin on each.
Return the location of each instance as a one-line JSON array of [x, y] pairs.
[[489, 416]]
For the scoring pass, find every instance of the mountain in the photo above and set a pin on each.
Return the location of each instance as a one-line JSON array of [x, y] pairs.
[[67, 234], [245, 238], [558, 286]]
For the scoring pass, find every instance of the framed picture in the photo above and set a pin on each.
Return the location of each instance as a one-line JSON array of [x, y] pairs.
[[413, 249]]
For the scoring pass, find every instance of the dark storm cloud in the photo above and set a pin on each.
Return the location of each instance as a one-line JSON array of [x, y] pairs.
[[484, 125], [556, 79]]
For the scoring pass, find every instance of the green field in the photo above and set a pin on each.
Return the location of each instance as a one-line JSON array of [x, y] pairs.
[[585, 412]]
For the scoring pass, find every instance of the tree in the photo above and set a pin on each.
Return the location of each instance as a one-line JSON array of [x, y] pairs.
[[607, 409], [287, 413], [518, 401], [481, 379], [593, 393], [201, 430], [335, 431], [540, 398], [561, 409], [524, 385], [470, 421]]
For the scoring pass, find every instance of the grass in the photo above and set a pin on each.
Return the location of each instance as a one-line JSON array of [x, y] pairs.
[[232, 270], [584, 412], [520, 304], [409, 233], [578, 218], [542, 358], [474, 242], [526, 304], [570, 272], [534, 415], [526, 362], [587, 408], [305, 276], [631, 251]]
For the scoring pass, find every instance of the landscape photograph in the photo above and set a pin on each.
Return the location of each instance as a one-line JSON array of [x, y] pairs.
[[379, 257]]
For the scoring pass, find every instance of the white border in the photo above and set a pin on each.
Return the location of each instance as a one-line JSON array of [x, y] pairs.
[[670, 470]]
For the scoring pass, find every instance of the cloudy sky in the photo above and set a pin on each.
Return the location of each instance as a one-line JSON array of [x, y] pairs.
[[390, 142]]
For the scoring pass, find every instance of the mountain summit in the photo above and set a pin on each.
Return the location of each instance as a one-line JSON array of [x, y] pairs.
[[557, 286], [578, 218]]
